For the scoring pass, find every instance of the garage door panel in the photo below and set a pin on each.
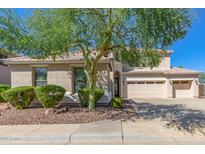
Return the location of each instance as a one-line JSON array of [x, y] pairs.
[[182, 90], [146, 90]]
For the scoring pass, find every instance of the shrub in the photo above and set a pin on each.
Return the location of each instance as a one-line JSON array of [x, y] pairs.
[[19, 97], [3, 88], [83, 95], [49, 95], [117, 102]]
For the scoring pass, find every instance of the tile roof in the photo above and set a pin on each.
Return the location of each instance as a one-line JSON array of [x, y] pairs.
[[75, 55], [61, 58], [161, 71]]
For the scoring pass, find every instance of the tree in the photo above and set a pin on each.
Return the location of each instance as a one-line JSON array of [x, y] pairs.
[[180, 66], [202, 78], [41, 35], [133, 35], [12, 31], [4, 53]]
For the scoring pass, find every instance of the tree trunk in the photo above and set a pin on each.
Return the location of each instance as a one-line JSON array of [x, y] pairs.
[[92, 87], [92, 80]]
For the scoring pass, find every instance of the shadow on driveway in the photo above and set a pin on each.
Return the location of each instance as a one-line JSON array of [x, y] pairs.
[[174, 115]]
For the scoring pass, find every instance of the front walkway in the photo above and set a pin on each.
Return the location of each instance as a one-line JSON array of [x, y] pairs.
[[102, 132]]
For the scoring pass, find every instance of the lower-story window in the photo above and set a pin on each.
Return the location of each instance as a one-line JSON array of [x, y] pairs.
[[41, 76], [79, 79]]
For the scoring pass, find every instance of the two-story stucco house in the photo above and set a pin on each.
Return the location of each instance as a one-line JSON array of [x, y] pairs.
[[115, 78]]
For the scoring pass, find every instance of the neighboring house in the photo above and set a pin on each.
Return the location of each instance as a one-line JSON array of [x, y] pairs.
[[5, 70], [5, 74], [115, 78]]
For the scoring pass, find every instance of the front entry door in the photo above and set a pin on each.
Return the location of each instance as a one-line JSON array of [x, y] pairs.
[[117, 90]]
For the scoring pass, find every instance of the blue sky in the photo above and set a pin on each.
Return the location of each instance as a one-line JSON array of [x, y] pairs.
[[188, 52]]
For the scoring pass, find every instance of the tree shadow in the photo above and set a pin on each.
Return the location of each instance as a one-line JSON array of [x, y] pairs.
[[175, 115], [126, 113]]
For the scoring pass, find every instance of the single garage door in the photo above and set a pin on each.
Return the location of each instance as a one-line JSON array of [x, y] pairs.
[[182, 89], [155, 89]]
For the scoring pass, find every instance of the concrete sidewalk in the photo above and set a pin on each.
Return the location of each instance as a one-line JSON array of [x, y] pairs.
[[102, 132]]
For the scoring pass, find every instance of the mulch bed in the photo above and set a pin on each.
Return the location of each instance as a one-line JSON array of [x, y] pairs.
[[74, 115]]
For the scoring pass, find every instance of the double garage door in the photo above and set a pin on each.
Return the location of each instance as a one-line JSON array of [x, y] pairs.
[[146, 89], [158, 89]]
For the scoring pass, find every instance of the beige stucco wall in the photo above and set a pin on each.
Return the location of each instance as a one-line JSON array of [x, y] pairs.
[[5, 75], [165, 63], [202, 90], [59, 74], [195, 88], [169, 89], [21, 75]]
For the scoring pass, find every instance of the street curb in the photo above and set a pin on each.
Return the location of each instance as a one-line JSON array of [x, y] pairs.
[[34, 139]]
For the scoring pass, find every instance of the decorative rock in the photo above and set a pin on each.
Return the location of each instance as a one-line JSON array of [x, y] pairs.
[[49, 111], [61, 110], [5, 107]]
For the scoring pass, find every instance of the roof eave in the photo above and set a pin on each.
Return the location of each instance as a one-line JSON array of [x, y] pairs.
[[132, 73], [183, 73], [50, 62]]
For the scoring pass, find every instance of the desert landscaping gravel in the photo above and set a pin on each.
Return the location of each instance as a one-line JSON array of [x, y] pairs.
[[74, 115]]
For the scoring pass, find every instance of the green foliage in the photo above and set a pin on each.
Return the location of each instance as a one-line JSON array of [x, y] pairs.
[[49, 95], [84, 96], [149, 58], [52, 32], [180, 66], [117, 102], [4, 53], [2, 89], [19, 97], [12, 31], [202, 78]]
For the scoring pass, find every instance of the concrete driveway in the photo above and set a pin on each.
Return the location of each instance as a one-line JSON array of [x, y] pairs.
[[193, 103], [181, 118]]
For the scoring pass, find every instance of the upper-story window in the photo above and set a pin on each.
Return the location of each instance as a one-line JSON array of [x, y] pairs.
[[41, 76], [162, 59]]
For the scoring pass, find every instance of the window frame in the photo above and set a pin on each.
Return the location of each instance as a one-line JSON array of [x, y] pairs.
[[150, 82], [34, 75], [176, 82], [184, 82], [74, 76]]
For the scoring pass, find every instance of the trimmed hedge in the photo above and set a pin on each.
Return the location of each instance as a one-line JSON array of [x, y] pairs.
[[3, 88], [49, 95], [117, 102], [84, 96], [19, 97]]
